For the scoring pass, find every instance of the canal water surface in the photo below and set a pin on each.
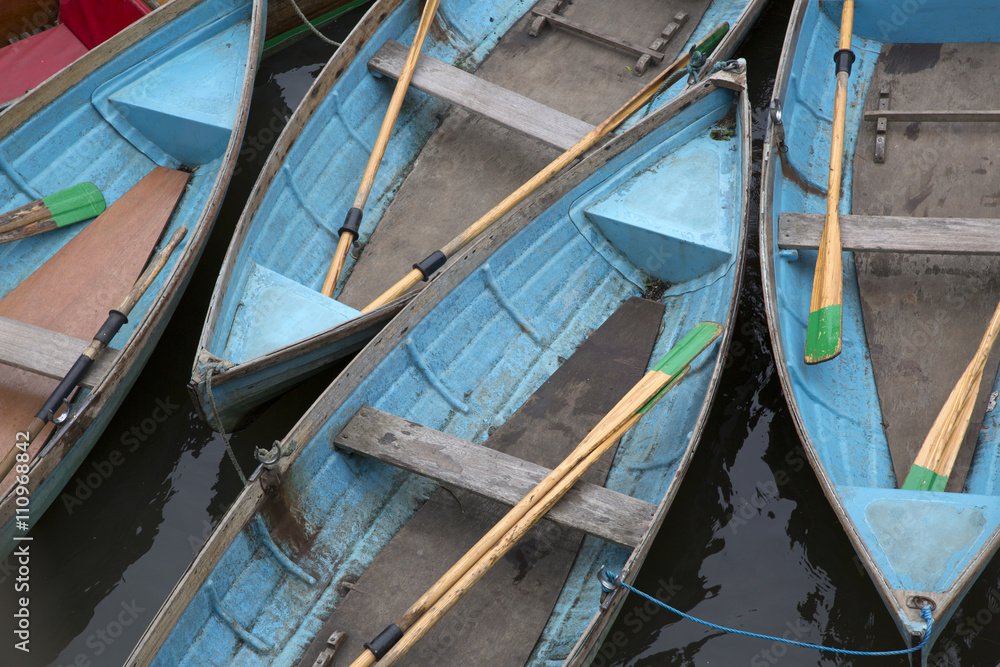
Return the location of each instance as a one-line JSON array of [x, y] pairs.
[[750, 542]]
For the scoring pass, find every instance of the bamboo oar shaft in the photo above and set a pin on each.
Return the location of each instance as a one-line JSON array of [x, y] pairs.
[[378, 151], [639, 100], [600, 437], [823, 336], [626, 412], [944, 440]]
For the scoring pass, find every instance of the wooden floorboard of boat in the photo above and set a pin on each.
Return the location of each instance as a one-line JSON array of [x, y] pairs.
[[926, 314], [470, 163], [499, 622], [73, 291]]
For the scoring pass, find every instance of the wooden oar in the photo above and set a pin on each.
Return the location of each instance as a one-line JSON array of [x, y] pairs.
[[823, 335], [66, 207], [436, 260], [937, 455], [443, 594], [349, 230], [116, 318]]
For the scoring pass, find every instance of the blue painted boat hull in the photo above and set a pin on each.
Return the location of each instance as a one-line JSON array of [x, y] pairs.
[[35, 158], [253, 346], [913, 544], [461, 358]]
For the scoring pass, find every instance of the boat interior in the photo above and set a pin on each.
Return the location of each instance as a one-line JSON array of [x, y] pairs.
[[507, 353], [140, 99], [461, 144], [919, 213]]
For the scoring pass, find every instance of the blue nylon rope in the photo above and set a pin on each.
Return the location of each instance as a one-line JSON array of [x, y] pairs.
[[925, 613]]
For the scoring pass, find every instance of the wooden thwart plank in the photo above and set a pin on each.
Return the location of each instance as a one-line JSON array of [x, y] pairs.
[[444, 458], [455, 86], [872, 233], [48, 352]]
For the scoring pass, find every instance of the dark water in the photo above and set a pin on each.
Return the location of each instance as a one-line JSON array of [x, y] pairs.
[[751, 541]]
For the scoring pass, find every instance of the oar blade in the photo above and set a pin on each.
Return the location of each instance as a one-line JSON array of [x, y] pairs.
[[922, 479], [823, 333], [75, 204], [688, 347]]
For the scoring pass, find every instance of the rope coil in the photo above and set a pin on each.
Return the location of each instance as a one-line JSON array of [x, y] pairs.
[[609, 582]]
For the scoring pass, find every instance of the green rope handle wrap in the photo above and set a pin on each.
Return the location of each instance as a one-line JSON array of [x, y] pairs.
[[677, 360], [78, 202], [922, 479]]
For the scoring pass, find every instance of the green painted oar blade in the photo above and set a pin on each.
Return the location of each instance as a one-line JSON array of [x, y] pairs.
[[682, 354], [823, 335], [74, 204], [707, 45], [922, 479]]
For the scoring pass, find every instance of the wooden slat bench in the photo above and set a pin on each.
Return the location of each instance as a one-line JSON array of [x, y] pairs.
[[482, 97], [48, 353], [871, 233], [486, 472]]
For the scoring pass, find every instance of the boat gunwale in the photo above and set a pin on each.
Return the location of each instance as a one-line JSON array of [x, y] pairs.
[[335, 68], [136, 349], [590, 640], [263, 481], [948, 601]]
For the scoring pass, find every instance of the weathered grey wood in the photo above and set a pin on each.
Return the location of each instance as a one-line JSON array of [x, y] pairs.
[[592, 33], [925, 314], [490, 100], [884, 233], [444, 458], [944, 116], [49, 353], [544, 430]]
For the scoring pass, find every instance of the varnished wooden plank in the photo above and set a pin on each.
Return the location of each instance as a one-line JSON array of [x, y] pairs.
[[482, 97], [48, 353], [444, 458], [73, 291], [884, 233]]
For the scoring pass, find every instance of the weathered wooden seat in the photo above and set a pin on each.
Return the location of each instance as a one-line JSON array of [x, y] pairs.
[[486, 472], [482, 97], [48, 353], [883, 233]]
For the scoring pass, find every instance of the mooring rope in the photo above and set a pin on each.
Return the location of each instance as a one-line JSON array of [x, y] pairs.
[[222, 430], [311, 26], [609, 582]]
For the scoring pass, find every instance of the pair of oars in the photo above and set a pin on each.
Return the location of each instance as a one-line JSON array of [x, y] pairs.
[[823, 331], [398, 638], [936, 458], [437, 259], [60, 209], [116, 318]]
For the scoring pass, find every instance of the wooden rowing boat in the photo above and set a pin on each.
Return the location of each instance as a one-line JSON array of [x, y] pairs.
[[521, 344], [462, 143], [127, 118], [919, 283]]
